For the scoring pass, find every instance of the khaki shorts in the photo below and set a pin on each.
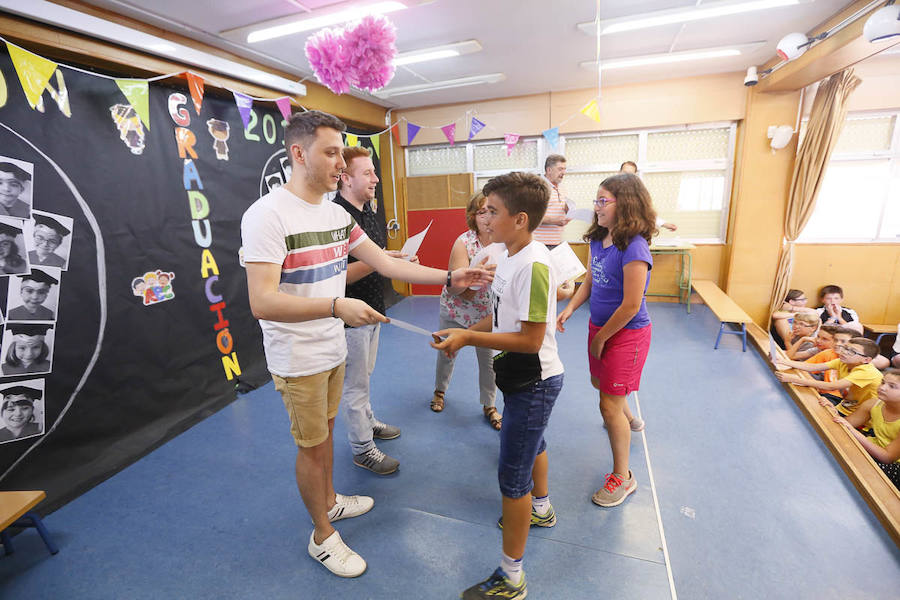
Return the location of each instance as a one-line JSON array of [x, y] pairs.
[[311, 400]]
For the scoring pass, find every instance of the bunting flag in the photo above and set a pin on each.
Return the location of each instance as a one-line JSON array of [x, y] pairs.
[[411, 131], [195, 84], [510, 139], [552, 137], [376, 144], [352, 140], [137, 92], [395, 131], [244, 104], [592, 110], [34, 72], [475, 127], [450, 132], [284, 105]]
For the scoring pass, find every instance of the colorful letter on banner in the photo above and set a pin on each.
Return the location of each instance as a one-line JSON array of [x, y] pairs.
[[592, 110], [511, 139], [411, 131], [137, 92], [376, 144], [450, 132], [395, 131], [284, 105], [34, 72], [475, 127], [195, 84], [552, 137], [352, 140], [244, 104]]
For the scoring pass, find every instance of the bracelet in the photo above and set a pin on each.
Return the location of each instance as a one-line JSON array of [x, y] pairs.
[[333, 303], [449, 277]]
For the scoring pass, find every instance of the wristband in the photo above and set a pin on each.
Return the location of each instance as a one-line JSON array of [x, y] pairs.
[[449, 277], [333, 303]]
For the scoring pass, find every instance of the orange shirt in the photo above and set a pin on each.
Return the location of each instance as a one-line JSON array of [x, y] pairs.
[[831, 375]]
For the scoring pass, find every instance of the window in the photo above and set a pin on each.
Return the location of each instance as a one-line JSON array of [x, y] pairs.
[[859, 200], [686, 169]]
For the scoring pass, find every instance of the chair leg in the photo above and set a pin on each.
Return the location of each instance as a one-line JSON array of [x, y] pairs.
[[7, 542], [719, 338], [744, 335], [45, 535]]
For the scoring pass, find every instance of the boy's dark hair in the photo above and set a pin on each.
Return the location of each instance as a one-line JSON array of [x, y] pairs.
[[552, 160], [869, 347], [830, 329], [521, 193], [17, 172], [472, 208], [793, 295], [628, 162], [893, 372], [846, 331], [351, 152], [301, 128], [831, 289], [635, 214]]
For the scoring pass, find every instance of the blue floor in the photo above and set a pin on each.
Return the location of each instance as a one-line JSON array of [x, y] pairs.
[[752, 504]]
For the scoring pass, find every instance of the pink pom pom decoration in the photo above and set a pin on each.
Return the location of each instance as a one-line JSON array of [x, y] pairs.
[[326, 56], [369, 49]]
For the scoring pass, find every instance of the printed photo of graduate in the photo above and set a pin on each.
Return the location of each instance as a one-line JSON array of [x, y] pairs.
[[22, 410]]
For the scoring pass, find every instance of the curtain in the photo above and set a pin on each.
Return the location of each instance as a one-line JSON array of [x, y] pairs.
[[825, 123]]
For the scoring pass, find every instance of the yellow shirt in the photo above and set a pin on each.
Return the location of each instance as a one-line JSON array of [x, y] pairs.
[[885, 431], [864, 381]]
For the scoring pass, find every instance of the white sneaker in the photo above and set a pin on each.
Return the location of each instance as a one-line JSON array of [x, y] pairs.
[[337, 556], [350, 506]]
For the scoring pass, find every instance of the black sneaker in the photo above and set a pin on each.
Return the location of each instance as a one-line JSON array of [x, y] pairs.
[[496, 586], [376, 461]]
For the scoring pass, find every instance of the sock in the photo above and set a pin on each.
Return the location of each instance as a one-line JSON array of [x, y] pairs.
[[540, 505], [512, 568]]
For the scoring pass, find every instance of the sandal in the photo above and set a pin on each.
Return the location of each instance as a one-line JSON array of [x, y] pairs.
[[493, 417], [437, 403]]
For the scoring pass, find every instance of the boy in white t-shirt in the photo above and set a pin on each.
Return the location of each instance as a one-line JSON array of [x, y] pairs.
[[528, 370], [295, 249]]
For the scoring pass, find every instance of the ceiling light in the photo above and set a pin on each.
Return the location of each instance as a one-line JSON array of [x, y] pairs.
[[72, 20], [672, 57], [437, 52], [683, 15], [319, 20], [438, 85]]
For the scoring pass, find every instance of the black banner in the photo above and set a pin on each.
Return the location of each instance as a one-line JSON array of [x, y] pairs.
[[126, 317]]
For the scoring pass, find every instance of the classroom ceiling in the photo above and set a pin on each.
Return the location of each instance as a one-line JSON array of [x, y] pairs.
[[535, 43]]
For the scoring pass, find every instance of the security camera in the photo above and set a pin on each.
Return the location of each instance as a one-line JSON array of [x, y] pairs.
[[883, 24], [752, 77]]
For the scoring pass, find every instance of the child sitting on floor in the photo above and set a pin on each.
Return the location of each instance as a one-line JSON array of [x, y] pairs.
[[858, 379], [803, 336], [883, 412]]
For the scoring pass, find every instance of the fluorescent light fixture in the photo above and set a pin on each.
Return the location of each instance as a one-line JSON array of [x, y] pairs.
[[438, 85], [683, 15], [437, 52], [72, 20], [319, 19], [672, 57]]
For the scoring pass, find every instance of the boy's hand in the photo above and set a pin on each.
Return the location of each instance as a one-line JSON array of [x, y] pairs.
[[842, 421], [355, 312], [563, 317], [786, 377], [472, 277], [597, 346], [454, 339], [824, 402], [779, 359]]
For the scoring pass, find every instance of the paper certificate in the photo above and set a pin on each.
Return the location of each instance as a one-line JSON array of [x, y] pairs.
[[493, 252], [581, 214], [412, 245], [411, 327], [566, 263]]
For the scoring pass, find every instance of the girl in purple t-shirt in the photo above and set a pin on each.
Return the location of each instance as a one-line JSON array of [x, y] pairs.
[[619, 330]]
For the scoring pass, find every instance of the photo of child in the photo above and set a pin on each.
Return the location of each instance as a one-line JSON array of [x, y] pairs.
[[48, 239], [12, 243], [27, 348], [16, 187], [34, 296], [21, 410]]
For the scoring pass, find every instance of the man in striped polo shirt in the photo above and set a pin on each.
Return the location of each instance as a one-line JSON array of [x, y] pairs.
[[296, 245], [550, 231]]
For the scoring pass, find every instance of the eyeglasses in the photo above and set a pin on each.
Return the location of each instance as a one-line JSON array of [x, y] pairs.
[[603, 201], [849, 350]]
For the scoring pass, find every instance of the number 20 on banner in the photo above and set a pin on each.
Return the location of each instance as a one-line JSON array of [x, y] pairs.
[[269, 128]]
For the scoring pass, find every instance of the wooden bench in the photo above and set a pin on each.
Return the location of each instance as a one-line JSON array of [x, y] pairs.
[[880, 330], [724, 308], [15, 510]]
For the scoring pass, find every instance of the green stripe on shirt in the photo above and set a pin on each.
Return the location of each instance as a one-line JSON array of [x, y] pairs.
[[540, 293], [317, 238]]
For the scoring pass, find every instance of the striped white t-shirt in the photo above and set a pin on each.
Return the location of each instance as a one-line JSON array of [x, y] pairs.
[[311, 243], [552, 234]]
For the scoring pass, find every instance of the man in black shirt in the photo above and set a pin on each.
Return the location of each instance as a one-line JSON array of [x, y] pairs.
[[355, 193]]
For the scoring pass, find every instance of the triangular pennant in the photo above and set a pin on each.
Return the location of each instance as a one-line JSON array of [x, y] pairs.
[[244, 104], [137, 92], [395, 131], [450, 132], [510, 139], [411, 131], [592, 110], [552, 137], [352, 140], [34, 72], [195, 84], [475, 127], [376, 144], [284, 105]]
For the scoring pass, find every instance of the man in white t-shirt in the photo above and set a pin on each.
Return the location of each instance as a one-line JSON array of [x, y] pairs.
[[296, 246]]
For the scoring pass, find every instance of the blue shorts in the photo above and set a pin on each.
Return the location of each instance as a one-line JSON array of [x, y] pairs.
[[525, 416]]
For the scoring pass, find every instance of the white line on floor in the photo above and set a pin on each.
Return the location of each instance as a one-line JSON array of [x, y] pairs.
[[662, 533]]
